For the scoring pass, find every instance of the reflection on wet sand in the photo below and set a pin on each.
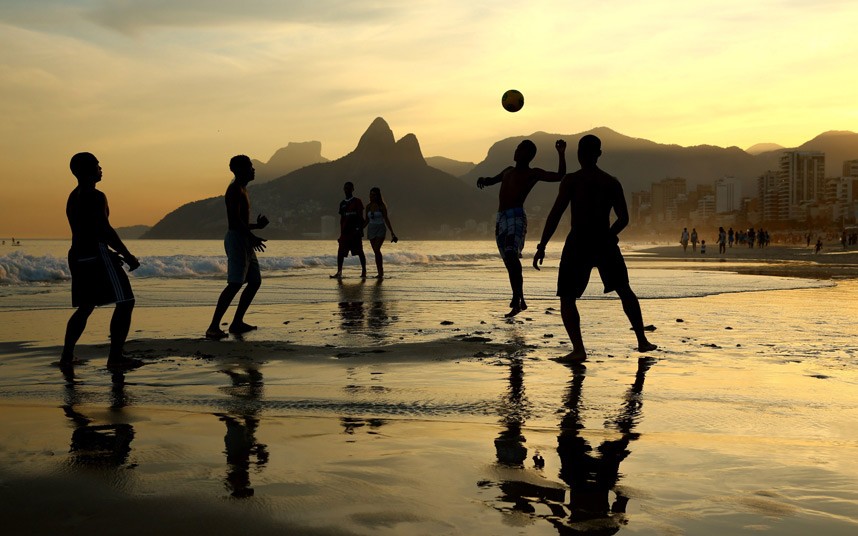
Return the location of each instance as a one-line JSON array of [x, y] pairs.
[[364, 314], [591, 475], [242, 423], [103, 446]]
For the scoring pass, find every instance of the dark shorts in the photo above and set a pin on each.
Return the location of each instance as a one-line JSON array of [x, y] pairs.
[[242, 264], [351, 244], [98, 278], [578, 260]]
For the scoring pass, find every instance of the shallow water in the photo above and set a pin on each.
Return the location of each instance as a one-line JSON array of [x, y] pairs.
[[413, 407]]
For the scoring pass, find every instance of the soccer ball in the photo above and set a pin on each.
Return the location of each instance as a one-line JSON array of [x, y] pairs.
[[512, 100]]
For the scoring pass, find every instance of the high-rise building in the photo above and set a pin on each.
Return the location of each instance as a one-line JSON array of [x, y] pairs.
[[728, 195], [850, 168], [804, 172], [773, 192], [665, 195]]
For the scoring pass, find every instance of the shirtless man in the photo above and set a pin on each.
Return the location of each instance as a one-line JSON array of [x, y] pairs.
[[593, 241], [96, 271], [511, 221], [241, 246]]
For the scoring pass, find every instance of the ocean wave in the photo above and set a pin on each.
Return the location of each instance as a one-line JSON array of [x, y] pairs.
[[19, 268]]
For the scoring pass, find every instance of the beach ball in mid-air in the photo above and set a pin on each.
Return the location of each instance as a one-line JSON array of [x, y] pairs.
[[512, 100]]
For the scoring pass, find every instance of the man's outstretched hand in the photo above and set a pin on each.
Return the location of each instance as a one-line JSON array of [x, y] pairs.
[[259, 244], [261, 221]]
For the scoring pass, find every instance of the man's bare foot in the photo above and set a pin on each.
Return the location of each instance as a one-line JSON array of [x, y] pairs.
[[216, 334], [338, 275], [240, 328], [646, 346], [575, 356], [123, 363], [514, 311], [522, 305], [380, 276], [648, 327], [363, 275]]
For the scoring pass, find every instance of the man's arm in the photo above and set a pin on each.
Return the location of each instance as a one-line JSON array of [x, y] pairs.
[[618, 202], [482, 182], [563, 196], [113, 239]]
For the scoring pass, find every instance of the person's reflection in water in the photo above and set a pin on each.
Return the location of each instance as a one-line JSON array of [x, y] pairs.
[[378, 320], [351, 306], [242, 422], [98, 445], [509, 444], [591, 476]]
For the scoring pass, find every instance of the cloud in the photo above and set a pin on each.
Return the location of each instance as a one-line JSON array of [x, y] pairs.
[[134, 17]]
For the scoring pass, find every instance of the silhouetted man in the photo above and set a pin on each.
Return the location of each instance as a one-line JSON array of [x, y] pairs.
[[351, 231], [511, 221], [95, 262], [241, 246], [593, 241]]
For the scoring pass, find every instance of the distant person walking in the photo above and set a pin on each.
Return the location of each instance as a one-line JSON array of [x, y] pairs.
[[694, 240], [351, 231], [818, 247], [722, 240], [511, 221], [95, 261], [683, 239], [241, 246], [731, 235], [593, 241], [377, 223]]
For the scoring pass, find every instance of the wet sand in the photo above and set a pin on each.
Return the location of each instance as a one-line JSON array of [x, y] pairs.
[[425, 418]]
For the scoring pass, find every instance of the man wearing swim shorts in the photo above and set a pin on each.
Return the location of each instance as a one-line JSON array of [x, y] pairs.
[[351, 231], [241, 246], [593, 241], [95, 261], [511, 221]]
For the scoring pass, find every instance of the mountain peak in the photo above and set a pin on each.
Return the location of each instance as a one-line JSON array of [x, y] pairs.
[[377, 137]]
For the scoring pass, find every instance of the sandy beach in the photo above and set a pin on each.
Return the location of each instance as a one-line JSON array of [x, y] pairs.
[[380, 415]]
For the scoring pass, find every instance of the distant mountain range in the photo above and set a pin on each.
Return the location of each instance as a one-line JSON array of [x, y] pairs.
[[426, 200]]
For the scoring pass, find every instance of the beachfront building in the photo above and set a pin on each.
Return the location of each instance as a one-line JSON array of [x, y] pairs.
[[666, 196], [773, 191], [804, 172], [728, 195], [850, 168], [841, 194], [640, 208]]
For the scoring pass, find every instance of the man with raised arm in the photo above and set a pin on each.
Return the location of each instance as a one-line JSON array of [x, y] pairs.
[[511, 222], [241, 246], [95, 261], [593, 241]]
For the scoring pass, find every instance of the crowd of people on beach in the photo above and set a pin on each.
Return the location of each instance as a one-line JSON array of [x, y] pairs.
[[97, 253]]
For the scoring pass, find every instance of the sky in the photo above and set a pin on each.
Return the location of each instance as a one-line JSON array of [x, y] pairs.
[[164, 92]]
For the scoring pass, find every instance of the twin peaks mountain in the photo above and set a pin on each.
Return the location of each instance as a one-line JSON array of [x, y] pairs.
[[425, 202], [420, 198]]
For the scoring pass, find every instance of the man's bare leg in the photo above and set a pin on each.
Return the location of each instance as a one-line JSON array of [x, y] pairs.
[[632, 308], [362, 258], [572, 323], [238, 324], [74, 330], [516, 281], [226, 297]]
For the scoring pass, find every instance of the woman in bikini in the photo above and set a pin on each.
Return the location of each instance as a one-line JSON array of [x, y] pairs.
[[377, 224]]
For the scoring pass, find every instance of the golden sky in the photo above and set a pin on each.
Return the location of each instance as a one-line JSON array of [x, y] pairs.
[[165, 91]]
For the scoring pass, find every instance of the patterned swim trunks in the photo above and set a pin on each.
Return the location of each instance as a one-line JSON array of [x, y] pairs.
[[510, 230]]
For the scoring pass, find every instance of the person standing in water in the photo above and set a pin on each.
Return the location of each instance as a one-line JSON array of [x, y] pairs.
[[241, 246], [593, 241], [95, 261], [511, 221], [351, 231], [377, 223]]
